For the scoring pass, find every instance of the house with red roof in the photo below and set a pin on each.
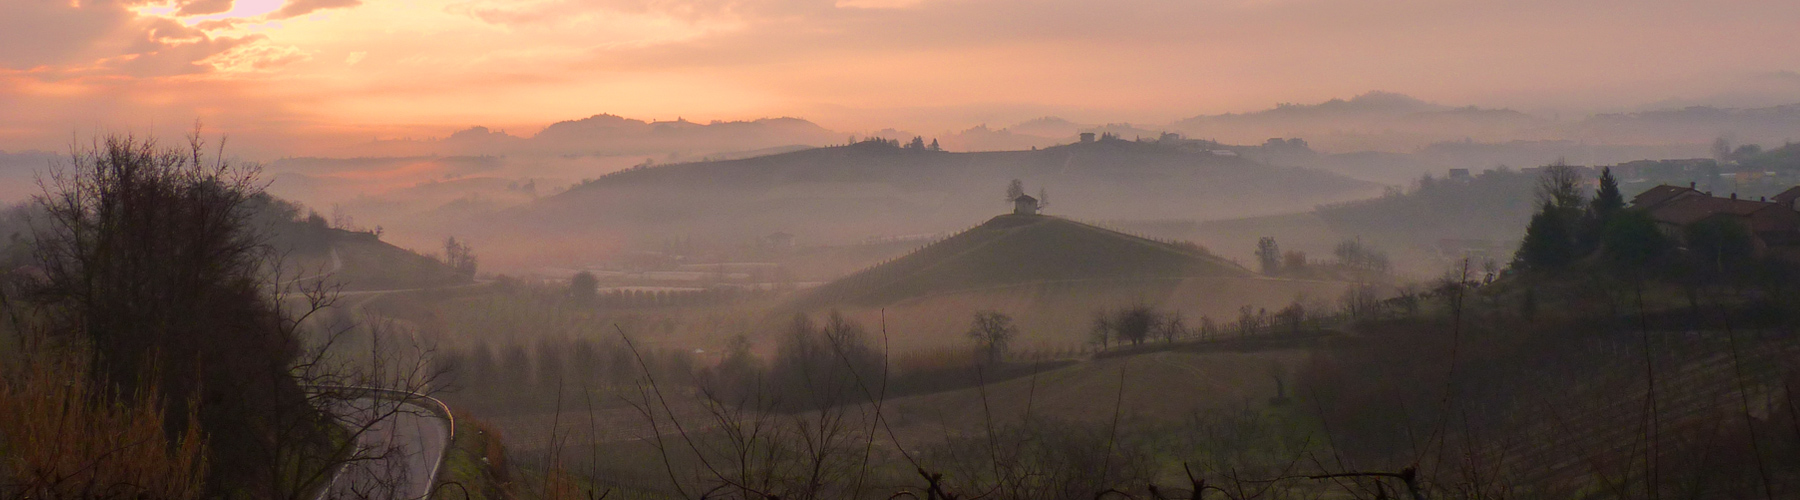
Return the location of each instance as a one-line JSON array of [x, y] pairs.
[[1774, 225]]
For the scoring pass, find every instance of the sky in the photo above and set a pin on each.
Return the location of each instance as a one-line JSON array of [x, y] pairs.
[[285, 76]]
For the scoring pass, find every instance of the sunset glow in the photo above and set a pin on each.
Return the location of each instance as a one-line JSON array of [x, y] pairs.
[[286, 75]]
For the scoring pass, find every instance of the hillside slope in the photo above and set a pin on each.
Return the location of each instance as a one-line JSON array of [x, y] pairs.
[[1018, 249], [849, 193], [355, 260]]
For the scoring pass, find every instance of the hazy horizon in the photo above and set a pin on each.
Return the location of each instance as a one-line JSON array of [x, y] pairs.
[[291, 78]]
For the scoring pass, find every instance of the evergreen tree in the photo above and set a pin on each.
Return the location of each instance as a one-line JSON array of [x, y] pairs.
[[1598, 219], [1607, 200], [1631, 241], [1549, 244]]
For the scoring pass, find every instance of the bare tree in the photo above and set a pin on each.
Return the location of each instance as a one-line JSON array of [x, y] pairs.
[[460, 256], [992, 331], [1560, 186], [1172, 328], [1100, 331]]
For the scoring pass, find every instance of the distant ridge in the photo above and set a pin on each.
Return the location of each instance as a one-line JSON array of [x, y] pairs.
[[1020, 249]]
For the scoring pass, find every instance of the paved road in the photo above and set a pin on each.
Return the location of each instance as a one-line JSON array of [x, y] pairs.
[[401, 444], [404, 443]]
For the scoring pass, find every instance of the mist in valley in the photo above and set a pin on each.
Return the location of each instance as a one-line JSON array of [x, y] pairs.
[[898, 249]]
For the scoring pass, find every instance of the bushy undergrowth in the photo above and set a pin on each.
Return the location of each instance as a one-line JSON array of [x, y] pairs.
[[61, 436]]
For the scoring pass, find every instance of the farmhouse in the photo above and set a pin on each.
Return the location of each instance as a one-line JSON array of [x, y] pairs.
[[1773, 224]]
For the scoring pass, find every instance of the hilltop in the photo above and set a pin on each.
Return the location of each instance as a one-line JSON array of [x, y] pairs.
[[310, 248], [361, 261], [1021, 249], [876, 188]]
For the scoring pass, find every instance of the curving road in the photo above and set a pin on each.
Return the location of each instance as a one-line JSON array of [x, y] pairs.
[[404, 444], [400, 443]]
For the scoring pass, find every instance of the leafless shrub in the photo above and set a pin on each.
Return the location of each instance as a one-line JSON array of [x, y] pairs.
[[64, 438]]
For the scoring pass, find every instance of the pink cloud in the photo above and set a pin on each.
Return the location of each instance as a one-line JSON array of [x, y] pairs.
[[204, 7], [297, 8]]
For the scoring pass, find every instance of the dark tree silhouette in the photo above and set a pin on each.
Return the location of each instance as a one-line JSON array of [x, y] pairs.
[[459, 256], [992, 331], [1631, 242], [1560, 186], [1134, 324], [1548, 245], [1607, 199], [1268, 254], [152, 259], [1719, 243], [584, 287]]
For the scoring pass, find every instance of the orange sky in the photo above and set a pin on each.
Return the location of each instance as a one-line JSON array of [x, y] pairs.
[[282, 76]]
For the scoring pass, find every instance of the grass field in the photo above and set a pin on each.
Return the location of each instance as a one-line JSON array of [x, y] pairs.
[[1163, 386], [1019, 249]]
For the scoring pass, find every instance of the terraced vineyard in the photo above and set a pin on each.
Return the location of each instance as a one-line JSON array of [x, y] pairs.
[[1602, 431]]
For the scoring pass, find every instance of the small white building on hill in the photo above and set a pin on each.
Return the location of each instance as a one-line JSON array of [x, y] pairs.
[[1025, 205]]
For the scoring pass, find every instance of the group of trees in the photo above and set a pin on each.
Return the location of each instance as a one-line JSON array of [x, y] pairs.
[[1353, 257], [916, 144], [1016, 188], [151, 274], [1137, 324], [460, 257], [526, 375], [815, 365], [1570, 228], [1491, 205]]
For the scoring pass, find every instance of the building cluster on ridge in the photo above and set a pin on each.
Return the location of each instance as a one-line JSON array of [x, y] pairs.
[[1773, 223]]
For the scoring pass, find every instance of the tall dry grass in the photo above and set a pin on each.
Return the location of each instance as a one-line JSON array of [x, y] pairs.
[[62, 437]]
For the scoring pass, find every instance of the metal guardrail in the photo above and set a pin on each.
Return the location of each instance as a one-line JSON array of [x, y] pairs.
[[437, 407]]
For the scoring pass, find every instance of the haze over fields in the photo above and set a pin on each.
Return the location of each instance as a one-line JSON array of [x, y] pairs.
[[873, 249]]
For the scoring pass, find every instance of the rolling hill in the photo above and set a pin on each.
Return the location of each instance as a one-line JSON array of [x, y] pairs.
[[354, 260], [846, 194], [1021, 249]]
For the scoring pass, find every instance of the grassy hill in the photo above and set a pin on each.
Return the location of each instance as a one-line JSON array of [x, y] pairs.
[[355, 260], [1021, 249], [842, 194]]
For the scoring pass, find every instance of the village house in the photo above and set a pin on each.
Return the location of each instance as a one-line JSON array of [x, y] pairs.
[[1774, 224]]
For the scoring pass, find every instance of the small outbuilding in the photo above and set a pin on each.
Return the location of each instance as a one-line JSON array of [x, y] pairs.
[[1025, 205]]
